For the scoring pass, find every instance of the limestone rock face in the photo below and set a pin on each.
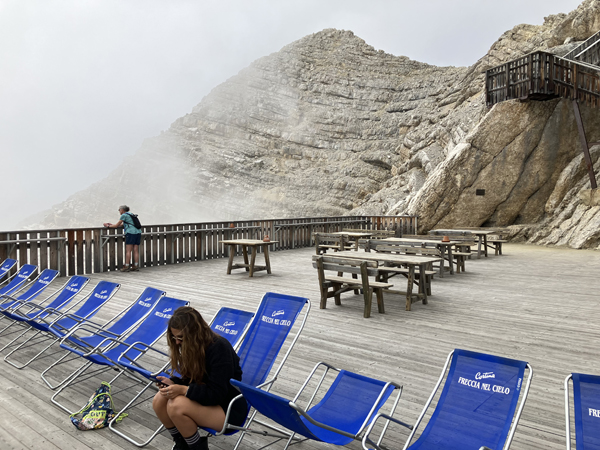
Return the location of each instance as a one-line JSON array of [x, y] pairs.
[[330, 126]]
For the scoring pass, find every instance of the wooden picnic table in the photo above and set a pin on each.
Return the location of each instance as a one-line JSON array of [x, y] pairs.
[[254, 244], [355, 236], [444, 247], [481, 237], [395, 260]]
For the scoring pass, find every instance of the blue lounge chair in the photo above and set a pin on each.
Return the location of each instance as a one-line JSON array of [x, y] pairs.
[[476, 407], [52, 327], [35, 288], [23, 310], [341, 416], [86, 336], [232, 324], [16, 282], [586, 400], [109, 349], [273, 321], [6, 265]]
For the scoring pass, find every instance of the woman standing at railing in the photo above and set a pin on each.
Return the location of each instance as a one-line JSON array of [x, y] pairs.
[[133, 238]]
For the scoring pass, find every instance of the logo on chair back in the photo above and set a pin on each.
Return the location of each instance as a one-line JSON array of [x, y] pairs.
[[101, 295], [146, 302], [164, 314], [477, 384], [45, 280], [484, 375], [594, 412], [73, 287], [223, 328], [272, 320]]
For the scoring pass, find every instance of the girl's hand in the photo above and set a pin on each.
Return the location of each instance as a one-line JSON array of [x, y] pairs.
[[173, 390], [164, 381]]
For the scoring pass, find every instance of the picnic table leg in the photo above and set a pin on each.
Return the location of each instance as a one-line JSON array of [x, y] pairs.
[[323, 288], [479, 247], [485, 245], [450, 259], [443, 261], [367, 290], [409, 287], [245, 253], [423, 285], [380, 305], [252, 260], [230, 264], [267, 260]]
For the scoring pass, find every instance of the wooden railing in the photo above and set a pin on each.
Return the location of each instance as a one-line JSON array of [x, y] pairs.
[[76, 251], [542, 76], [588, 51]]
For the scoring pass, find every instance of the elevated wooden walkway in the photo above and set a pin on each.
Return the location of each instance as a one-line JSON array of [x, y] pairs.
[[533, 303], [544, 76]]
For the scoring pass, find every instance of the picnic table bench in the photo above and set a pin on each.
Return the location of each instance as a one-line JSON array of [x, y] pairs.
[[340, 284], [337, 242], [388, 263]]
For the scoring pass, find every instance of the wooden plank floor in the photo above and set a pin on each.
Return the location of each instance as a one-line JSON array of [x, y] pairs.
[[533, 303]]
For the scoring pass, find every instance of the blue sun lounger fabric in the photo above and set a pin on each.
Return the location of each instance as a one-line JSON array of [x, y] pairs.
[[57, 324], [130, 347], [477, 404], [6, 265], [231, 324], [349, 405], [586, 398], [88, 336], [34, 289], [26, 271], [26, 311]]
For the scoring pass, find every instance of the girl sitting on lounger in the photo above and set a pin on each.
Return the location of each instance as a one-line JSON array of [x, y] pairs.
[[201, 395]]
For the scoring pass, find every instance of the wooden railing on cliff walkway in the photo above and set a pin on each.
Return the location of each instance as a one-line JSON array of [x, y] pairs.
[[77, 251], [544, 76]]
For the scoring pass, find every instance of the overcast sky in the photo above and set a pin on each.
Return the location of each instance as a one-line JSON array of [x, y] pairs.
[[82, 83]]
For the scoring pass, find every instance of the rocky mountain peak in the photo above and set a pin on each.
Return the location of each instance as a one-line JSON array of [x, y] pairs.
[[329, 125]]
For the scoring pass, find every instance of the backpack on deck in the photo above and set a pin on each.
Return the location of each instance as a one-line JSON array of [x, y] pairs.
[[98, 412], [135, 220]]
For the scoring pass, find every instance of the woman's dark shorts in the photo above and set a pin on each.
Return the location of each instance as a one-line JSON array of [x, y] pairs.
[[133, 239]]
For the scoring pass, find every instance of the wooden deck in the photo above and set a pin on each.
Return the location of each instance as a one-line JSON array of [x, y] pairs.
[[532, 303]]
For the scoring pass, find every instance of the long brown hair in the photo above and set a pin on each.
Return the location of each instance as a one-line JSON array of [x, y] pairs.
[[189, 357]]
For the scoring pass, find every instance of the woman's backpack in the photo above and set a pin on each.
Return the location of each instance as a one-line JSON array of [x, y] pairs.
[[98, 412], [135, 220]]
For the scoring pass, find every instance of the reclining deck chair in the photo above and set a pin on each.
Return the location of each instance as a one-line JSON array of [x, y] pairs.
[[341, 416], [23, 310], [17, 280], [84, 337], [53, 326], [35, 288], [5, 267], [109, 349], [230, 323], [476, 407], [273, 320], [586, 399]]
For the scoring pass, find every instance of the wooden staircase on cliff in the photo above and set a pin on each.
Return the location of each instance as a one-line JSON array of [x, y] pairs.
[[544, 76]]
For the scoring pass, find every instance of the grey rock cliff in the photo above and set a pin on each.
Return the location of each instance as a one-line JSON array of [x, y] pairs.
[[330, 126]]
